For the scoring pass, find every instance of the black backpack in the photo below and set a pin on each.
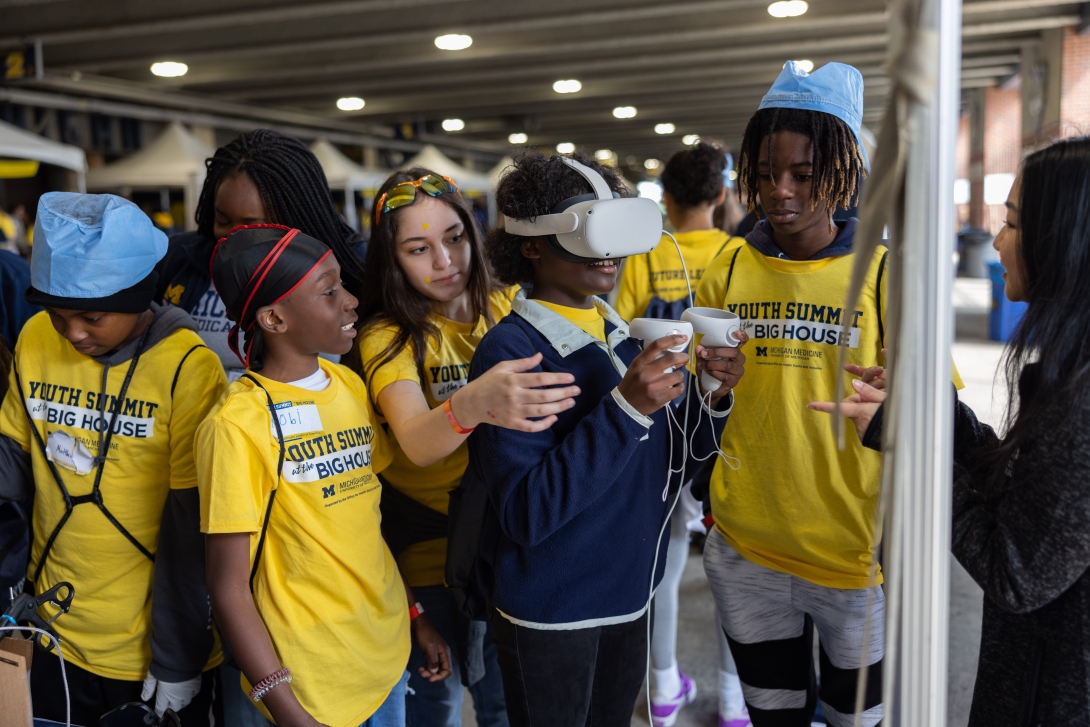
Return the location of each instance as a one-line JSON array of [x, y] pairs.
[[471, 529]]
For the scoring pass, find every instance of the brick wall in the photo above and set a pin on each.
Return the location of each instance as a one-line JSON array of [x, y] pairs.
[[1075, 93], [1002, 143]]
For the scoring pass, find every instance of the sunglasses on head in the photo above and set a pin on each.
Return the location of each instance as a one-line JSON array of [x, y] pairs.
[[404, 194]]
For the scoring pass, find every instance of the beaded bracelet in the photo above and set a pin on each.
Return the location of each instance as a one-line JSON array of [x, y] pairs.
[[269, 683]]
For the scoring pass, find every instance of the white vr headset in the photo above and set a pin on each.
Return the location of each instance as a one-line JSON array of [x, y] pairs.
[[595, 226]]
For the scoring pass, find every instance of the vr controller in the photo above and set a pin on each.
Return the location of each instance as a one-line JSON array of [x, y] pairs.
[[719, 329], [652, 329]]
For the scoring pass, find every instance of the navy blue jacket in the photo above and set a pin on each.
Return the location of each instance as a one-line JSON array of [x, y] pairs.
[[576, 509], [14, 310]]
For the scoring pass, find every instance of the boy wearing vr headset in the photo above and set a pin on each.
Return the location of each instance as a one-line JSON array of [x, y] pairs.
[[106, 391], [577, 514]]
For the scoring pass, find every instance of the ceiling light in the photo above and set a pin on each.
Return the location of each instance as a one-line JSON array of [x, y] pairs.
[[650, 164], [565, 147], [732, 175], [453, 124], [788, 8], [350, 103], [169, 69], [453, 41], [567, 86], [624, 112], [664, 128], [807, 66], [690, 139], [603, 155], [518, 138]]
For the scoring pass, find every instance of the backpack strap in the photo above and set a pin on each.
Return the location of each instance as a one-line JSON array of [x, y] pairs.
[[279, 471], [181, 363], [878, 297], [730, 273]]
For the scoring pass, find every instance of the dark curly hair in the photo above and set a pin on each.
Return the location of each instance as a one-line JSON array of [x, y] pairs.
[[695, 176], [533, 185], [838, 161]]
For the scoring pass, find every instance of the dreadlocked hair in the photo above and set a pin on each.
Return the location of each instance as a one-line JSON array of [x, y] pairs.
[[292, 186], [388, 298], [838, 161], [533, 185]]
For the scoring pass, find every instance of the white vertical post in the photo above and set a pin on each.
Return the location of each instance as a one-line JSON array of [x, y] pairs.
[[922, 450]]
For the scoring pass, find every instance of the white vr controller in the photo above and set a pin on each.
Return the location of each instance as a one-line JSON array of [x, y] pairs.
[[652, 329], [719, 329]]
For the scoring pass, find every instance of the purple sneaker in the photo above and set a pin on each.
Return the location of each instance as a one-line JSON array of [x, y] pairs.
[[742, 720], [664, 713]]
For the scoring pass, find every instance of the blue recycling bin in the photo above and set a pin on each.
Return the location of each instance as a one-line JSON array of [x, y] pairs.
[[1005, 315]]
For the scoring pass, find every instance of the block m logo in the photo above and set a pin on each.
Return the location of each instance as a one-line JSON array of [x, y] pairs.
[[762, 350], [328, 491]]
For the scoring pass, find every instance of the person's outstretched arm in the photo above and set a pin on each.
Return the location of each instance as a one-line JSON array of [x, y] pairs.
[[503, 396]]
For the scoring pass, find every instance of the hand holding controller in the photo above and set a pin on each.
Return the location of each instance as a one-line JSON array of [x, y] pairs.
[[652, 329], [720, 329]]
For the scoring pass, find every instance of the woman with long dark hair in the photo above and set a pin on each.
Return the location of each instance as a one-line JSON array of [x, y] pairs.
[[1021, 516], [427, 299]]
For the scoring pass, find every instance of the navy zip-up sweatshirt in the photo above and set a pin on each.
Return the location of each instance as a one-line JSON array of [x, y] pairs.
[[577, 509]]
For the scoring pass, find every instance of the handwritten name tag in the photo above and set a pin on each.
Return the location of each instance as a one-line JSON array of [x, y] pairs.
[[296, 419]]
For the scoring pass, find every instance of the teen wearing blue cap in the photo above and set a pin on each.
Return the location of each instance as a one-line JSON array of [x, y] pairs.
[[794, 537], [106, 391]]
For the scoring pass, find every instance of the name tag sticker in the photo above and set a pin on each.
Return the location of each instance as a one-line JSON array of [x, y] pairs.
[[296, 419], [69, 452]]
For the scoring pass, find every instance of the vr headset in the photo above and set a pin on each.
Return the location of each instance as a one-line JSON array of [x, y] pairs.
[[595, 226]]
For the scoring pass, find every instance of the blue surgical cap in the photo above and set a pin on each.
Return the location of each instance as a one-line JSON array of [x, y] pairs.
[[92, 245], [835, 89]]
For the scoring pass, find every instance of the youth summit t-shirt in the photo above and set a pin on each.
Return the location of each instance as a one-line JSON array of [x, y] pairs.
[[446, 369], [326, 587], [797, 504], [108, 630], [659, 273]]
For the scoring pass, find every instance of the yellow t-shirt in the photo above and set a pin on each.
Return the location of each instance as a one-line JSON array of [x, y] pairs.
[[659, 272], [797, 504], [588, 320], [108, 630], [327, 586], [446, 366]]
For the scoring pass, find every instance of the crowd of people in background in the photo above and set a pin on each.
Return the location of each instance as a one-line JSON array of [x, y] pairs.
[[259, 450]]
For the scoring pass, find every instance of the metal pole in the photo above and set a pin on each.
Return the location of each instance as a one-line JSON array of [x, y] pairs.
[[922, 453]]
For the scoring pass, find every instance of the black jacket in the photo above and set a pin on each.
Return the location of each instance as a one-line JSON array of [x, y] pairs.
[[1027, 544]]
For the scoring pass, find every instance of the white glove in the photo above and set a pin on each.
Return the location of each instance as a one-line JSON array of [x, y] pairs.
[[170, 695]]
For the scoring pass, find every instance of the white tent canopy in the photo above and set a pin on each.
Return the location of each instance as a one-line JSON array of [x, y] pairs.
[[16, 143], [343, 173], [467, 180], [497, 171], [174, 159]]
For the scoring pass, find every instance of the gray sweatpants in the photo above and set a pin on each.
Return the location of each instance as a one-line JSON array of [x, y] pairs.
[[769, 618]]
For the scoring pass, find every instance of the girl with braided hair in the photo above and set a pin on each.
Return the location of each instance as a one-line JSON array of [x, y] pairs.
[[261, 177]]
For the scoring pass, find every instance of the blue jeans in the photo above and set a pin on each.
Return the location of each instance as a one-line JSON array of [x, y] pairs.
[[439, 704], [392, 711]]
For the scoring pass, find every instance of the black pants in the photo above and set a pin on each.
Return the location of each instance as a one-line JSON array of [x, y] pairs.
[[582, 678], [92, 696]]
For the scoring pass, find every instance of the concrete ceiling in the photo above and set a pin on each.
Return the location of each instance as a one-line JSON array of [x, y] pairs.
[[701, 65]]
